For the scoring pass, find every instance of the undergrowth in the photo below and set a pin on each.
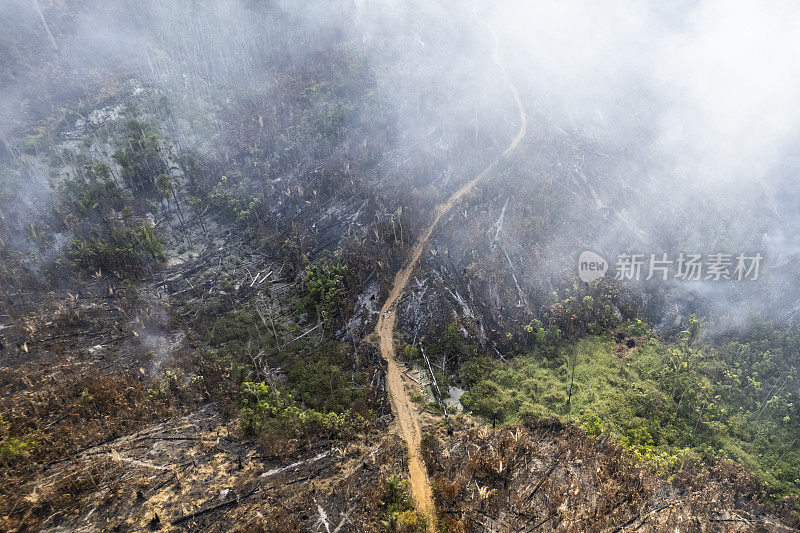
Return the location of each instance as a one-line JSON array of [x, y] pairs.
[[304, 388], [397, 507], [665, 402]]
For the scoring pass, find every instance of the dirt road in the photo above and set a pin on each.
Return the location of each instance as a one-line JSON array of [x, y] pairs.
[[405, 411]]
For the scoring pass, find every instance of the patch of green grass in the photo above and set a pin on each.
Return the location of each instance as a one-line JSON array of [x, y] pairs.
[[13, 448], [662, 401]]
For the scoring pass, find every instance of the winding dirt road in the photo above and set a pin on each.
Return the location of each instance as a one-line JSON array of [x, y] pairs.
[[404, 409]]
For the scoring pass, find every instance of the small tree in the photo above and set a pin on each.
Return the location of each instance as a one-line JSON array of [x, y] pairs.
[[322, 287], [167, 187], [139, 155], [693, 328]]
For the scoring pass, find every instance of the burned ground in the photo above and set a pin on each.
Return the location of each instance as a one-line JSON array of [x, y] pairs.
[[196, 243], [190, 473], [553, 477]]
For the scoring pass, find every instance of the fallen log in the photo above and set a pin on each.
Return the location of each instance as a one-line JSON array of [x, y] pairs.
[[224, 505]]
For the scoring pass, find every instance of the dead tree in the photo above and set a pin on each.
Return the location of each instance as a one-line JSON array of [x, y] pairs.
[[437, 392]]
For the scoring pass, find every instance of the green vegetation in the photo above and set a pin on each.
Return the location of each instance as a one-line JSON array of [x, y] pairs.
[[449, 347], [100, 213], [446, 351], [235, 198], [13, 448], [325, 380], [326, 116], [577, 311], [323, 117], [167, 187], [124, 249], [397, 507], [91, 194], [664, 401], [322, 287], [139, 155], [586, 309], [309, 387], [264, 410], [546, 340]]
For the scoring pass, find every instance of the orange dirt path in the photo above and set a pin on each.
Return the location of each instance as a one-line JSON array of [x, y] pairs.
[[405, 411]]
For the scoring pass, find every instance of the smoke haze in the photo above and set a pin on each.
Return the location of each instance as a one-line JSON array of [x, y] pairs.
[[685, 117]]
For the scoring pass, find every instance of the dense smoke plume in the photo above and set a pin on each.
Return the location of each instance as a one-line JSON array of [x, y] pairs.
[[686, 116]]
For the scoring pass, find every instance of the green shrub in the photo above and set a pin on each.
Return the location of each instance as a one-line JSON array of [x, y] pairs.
[[592, 424], [124, 250], [449, 349], [635, 328], [321, 381], [265, 410], [475, 369], [487, 398], [546, 341], [322, 287], [588, 308], [139, 155], [12, 448], [325, 117], [397, 507], [235, 197], [93, 192], [238, 325], [533, 412], [411, 354], [739, 399], [324, 392]]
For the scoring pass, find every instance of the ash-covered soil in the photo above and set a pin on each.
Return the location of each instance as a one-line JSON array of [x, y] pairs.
[[190, 473], [553, 477]]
